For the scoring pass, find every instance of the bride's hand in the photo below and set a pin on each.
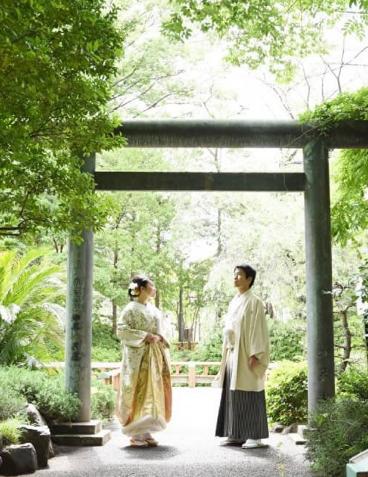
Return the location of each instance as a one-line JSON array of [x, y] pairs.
[[150, 338]]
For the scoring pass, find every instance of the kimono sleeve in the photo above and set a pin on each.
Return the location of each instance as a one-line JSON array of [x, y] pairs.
[[127, 332], [259, 340]]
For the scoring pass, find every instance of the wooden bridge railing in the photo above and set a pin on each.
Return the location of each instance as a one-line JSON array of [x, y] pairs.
[[187, 373]]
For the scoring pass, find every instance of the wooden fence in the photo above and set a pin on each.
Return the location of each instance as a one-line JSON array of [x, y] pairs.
[[184, 373]]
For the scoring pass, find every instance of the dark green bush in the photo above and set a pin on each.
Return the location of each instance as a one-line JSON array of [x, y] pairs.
[[211, 350], [286, 389], [105, 346], [339, 431], [287, 340], [181, 354], [353, 383], [54, 402], [103, 401], [10, 403], [46, 392]]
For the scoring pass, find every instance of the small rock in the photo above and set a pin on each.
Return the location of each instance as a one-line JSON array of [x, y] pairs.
[[36, 418], [40, 437], [278, 428], [34, 415], [289, 429], [18, 459]]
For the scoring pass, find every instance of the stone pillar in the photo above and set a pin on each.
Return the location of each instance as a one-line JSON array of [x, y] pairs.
[[78, 339], [321, 384]]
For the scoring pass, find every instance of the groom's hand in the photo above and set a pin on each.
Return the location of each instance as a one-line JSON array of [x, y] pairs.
[[253, 361]]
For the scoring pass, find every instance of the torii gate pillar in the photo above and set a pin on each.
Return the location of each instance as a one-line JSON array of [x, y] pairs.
[[78, 339], [321, 383]]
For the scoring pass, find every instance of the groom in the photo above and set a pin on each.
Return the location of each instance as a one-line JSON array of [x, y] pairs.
[[242, 414]]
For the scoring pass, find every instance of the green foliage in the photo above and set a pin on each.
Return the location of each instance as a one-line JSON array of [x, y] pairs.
[[103, 401], [104, 354], [57, 62], [345, 107], [139, 222], [105, 346], [287, 340], [264, 32], [29, 318], [353, 383], [287, 393], [10, 432], [339, 430], [10, 403], [46, 392], [54, 403], [211, 350], [350, 206]]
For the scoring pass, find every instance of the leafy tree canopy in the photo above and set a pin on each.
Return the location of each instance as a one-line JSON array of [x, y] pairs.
[[350, 206], [57, 58], [267, 32]]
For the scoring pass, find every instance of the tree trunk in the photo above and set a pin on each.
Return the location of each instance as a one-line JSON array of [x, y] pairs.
[[347, 340], [114, 305], [181, 316], [158, 250], [365, 329], [219, 233], [114, 317], [157, 299], [195, 324]]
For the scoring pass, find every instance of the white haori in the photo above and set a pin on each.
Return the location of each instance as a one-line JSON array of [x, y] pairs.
[[245, 335]]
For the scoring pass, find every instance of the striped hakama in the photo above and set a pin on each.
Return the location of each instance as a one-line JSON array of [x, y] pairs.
[[242, 414]]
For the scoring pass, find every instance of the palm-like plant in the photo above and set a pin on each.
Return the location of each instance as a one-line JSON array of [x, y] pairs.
[[29, 318]]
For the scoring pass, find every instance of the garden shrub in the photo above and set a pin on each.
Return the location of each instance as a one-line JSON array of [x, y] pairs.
[[211, 350], [54, 402], [339, 430], [46, 392], [105, 345], [286, 340], [104, 354], [353, 383], [10, 432], [103, 401], [10, 403], [287, 401]]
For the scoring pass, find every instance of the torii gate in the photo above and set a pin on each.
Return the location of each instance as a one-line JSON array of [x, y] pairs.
[[314, 181]]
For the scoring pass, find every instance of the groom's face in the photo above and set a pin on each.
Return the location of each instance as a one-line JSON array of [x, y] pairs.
[[241, 281]]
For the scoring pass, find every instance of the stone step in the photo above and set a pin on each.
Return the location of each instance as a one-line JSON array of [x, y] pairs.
[[89, 427], [302, 430], [79, 440], [297, 438]]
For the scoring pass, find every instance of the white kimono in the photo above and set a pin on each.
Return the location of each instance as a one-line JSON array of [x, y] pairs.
[[145, 401], [245, 335]]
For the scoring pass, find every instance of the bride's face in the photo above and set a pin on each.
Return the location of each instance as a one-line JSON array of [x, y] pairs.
[[149, 291]]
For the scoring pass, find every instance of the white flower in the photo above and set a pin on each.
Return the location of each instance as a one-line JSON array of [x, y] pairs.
[[133, 286]]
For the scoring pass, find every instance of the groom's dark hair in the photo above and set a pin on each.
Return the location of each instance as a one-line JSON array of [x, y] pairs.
[[249, 272]]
